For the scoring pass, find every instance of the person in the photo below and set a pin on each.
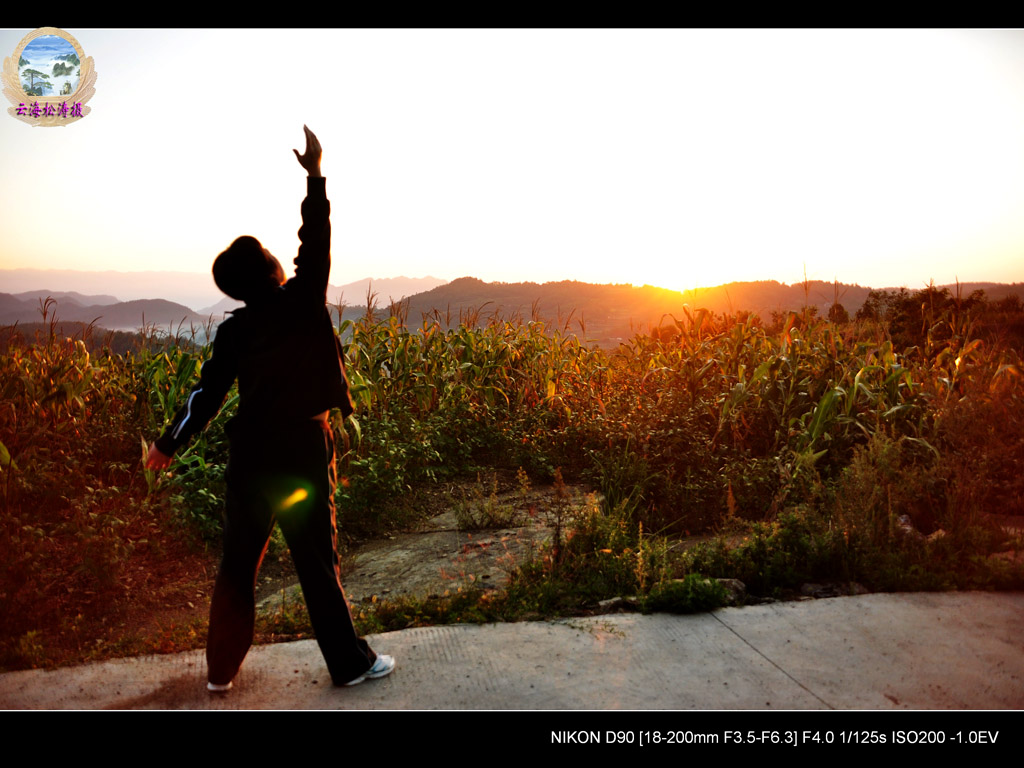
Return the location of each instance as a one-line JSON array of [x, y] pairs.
[[282, 349]]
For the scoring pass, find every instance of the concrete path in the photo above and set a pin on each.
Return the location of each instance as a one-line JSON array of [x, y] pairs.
[[879, 651]]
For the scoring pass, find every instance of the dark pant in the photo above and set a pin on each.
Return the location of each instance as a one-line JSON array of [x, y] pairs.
[[289, 477]]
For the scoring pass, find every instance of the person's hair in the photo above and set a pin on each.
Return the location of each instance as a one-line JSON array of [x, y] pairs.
[[246, 270]]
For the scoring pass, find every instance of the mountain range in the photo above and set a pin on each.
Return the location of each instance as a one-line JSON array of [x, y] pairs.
[[107, 310], [609, 314], [602, 313], [195, 291]]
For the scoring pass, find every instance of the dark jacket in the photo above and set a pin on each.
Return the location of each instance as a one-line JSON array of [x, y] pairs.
[[281, 347]]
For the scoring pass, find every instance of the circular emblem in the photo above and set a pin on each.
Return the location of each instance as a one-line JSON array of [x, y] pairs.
[[49, 79]]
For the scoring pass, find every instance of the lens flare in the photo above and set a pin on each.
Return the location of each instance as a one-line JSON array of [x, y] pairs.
[[298, 495]]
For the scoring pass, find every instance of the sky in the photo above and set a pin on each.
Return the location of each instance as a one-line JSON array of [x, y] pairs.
[[677, 158]]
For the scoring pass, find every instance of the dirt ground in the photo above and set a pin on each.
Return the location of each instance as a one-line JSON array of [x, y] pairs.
[[468, 533], [472, 534], [464, 534]]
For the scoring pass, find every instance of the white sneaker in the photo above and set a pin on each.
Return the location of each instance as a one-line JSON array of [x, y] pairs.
[[382, 667], [218, 687]]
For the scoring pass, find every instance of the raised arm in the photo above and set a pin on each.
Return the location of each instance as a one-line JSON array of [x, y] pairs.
[[313, 264]]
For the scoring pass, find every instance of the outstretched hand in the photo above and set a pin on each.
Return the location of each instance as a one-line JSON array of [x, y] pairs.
[[157, 459], [310, 160]]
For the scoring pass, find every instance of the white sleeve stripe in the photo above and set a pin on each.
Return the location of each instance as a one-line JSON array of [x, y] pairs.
[[188, 415]]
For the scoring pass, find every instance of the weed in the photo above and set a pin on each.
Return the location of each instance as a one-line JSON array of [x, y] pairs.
[[462, 606], [27, 652], [691, 594], [290, 619], [477, 510]]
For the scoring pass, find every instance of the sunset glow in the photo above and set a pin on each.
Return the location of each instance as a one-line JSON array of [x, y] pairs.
[[677, 158]]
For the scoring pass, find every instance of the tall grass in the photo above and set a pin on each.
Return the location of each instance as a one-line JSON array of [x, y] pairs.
[[83, 534], [711, 423], [811, 438]]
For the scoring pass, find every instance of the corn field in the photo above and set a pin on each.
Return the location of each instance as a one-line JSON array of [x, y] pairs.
[[703, 423]]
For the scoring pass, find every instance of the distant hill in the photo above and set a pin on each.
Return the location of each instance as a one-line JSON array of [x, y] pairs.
[[195, 290], [386, 289], [10, 304], [72, 297], [610, 313], [218, 310], [189, 288], [28, 306], [111, 313], [121, 316], [767, 296], [615, 312], [353, 294], [130, 315], [607, 310]]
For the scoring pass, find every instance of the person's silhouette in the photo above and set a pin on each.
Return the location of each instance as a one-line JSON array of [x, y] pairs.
[[283, 351]]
